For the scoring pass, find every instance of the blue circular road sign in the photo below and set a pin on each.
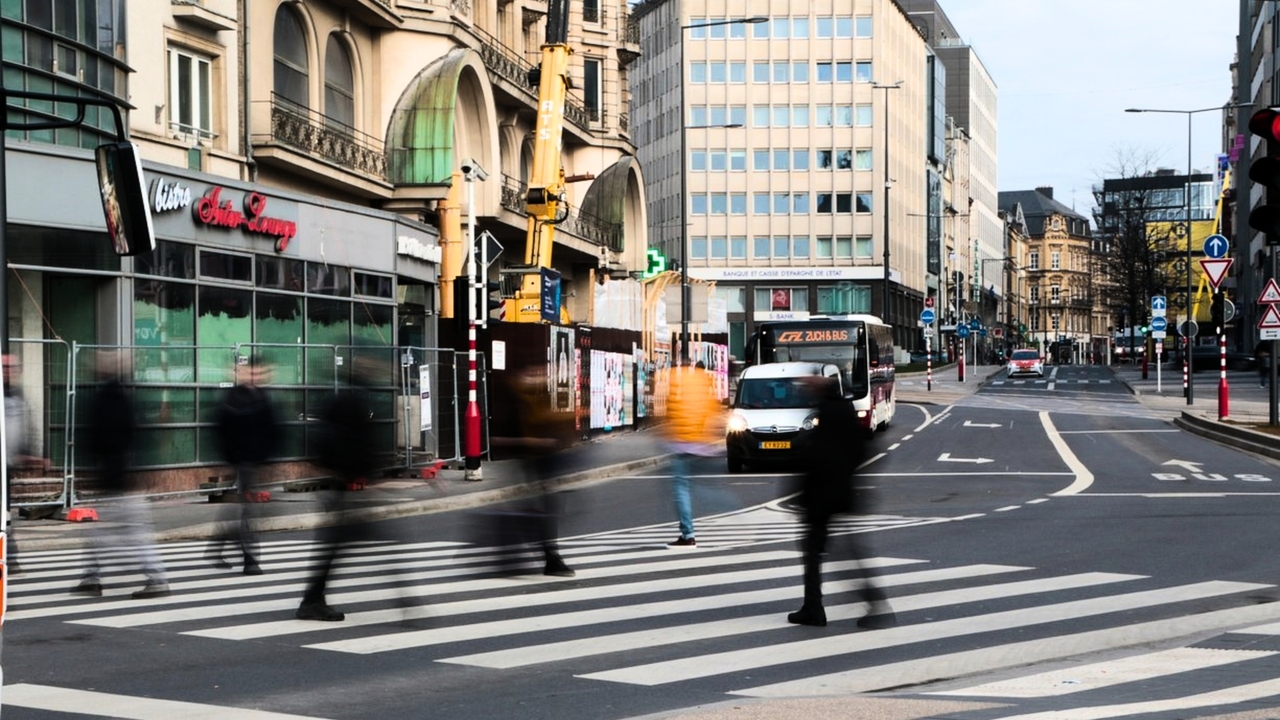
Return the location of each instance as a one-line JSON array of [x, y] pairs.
[[927, 316], [1159, 324], [962, 331], [974, 323], [1215, 247]]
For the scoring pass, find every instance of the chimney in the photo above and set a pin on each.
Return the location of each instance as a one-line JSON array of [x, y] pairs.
[[1045, 191]]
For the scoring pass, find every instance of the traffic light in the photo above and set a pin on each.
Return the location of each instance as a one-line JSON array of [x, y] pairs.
[[1215, 309], [1265, 171], [492, 301]]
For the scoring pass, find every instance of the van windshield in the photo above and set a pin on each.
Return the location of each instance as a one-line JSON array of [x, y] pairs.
[[770, 393]]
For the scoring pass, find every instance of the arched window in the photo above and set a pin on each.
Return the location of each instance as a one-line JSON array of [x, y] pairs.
[[339, 84], [290, 57]]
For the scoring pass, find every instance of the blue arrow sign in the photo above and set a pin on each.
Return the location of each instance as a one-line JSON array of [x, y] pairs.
[[927, 316], [1159, 324], [974, 323], [1158, 302], [962, 331], [1216, 246]]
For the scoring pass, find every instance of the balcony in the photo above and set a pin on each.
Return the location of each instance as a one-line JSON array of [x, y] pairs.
[[580, 225], [193, 12], [311, 144], [506, 64], [374, 13]]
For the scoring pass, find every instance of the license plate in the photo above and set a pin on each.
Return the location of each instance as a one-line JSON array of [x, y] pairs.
[[776, 445]]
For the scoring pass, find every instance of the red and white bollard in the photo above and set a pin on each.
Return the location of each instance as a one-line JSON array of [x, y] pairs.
[[1223, 391]]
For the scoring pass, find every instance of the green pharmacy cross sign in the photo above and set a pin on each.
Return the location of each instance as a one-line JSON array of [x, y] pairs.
[[657, 263]]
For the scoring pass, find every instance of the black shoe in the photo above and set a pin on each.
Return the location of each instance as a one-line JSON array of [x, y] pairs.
[[808, 616], [878, 621], [88, 588], [152, 590], [318, 611], [252, 569], [557, 568], [683, 541]]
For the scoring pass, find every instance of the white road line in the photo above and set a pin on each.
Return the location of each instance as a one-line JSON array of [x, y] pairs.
[[689, 668], [1084, 478], [1226, 696], [1113, 432], [973, 662], [85, 703], [1007, 508], [1108, 673], [474, 631], [603, 644]]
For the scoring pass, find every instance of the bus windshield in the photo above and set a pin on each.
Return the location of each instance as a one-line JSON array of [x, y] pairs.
[[849, 358]]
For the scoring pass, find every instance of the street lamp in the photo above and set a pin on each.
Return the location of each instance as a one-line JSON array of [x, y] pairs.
[[1187, 226], [885, 296], [684, 174]]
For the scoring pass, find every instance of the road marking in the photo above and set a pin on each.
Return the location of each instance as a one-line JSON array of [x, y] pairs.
[[1225, 696], [99, 704], [738, 661], [946, 457], [1113, 432], [957, 473], [1108, 673], [1007, 508], [1084, 478]]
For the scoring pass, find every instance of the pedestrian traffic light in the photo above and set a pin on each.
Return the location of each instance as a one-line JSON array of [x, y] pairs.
[[492, 301], [1265, 171], [1215, 310]]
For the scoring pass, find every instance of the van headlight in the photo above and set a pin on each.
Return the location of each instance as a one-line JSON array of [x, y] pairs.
[[810, 422], [737, 423]]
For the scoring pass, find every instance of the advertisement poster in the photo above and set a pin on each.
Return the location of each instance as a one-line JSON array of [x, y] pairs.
[[563, 378], [424, 388]]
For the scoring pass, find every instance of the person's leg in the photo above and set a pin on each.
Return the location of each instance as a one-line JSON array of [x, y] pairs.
[[247, 483], [137, 535], [314, 605], [814, 546], [680, 493]]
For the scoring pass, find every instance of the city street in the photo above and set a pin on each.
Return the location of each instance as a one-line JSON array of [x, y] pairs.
[[1046, 544]]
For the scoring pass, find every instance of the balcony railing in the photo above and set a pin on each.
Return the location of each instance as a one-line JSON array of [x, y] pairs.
[[326, 139], [581, 224], [508, 65]]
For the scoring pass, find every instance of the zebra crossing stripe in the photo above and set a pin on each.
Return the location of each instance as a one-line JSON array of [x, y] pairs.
[[1224, 696], [506, 602], [1109, 673], [404, 591], [129, 707], [688, 668], [474, 631], [603, 644]]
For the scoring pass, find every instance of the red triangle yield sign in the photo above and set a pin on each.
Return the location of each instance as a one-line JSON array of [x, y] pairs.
[[1215, 269], [1270, 293], [1270, 319]]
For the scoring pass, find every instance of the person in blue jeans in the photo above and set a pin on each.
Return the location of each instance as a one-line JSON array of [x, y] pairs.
[[694, 424]]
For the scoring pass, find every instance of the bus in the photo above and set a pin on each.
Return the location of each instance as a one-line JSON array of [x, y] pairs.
[[861, 346]]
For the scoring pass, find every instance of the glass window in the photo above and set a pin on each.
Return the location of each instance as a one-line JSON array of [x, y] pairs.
[[738, 160], [328, 323], [824, 203], [718, 72], [278, 320], [719, 203], [800, 247], [1033, 261], [738, 115], [291, 67], [169, 259], [224, 319], [781, 116], [225, 266], [339, 84], [824, 159], [735, 298], [844, 27], [718, 161], [862, 160], [844, 247], [780, 28], [718, 31], [190, 92], [164, 331], [864, 202], [737, 204], [760, 116], [737, 31], [719, 115], [863, 114], [864, 246], [760, 31], [698, 116], [781, 203], [822, 116], [325, 279], [800, 205], [760, 203], [760, 72], [738, 251], [844, 116], [697, 160], [279, 273], [781, 72], [760, 247], [862, 26], [697, 73], [824, 72], [1055, 260], [719, 247], [780, 159], [698, 204], [844, 159], [825, 27], [782, 247], [800, 116], [698, 247], [844, 203], [800, 28], [823, 246], [737, 72], [800, 160], [844, 72], [864, 72], [800, 71], [760, 160], [697, 28]]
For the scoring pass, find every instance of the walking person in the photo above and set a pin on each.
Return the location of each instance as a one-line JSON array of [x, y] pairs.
[[694, 424], [17, 427], [249, 435], [112, 433], [828, 489]]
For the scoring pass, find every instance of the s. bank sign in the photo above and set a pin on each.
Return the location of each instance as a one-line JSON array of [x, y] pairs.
[[215, 210]]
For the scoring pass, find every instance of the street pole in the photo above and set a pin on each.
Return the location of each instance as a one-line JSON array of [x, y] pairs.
[[884, 301], [1191, 369], [472, 465]]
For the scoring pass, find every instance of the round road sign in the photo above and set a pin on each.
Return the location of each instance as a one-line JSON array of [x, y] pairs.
[[1188, 328]]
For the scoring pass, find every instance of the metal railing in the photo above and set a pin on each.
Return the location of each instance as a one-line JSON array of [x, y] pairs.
[[324, 138]]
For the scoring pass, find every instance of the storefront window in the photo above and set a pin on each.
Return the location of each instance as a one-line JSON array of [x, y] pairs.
[[169, 259], [328, 280], [164, 332], [372, 325], [224, 321], [328, 324], [225, 266], [279, 273], [278, 332]]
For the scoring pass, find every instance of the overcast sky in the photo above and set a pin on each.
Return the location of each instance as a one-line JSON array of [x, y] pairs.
[[1066, 71]]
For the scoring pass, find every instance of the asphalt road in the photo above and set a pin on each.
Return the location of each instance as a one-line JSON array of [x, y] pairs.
[[1047, 546]]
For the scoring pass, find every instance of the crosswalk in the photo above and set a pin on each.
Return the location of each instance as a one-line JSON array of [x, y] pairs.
[[643, 615]]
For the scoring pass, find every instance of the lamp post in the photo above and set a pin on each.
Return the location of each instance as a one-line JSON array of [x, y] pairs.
[[1187, 225], [684, 173], [885, 295]]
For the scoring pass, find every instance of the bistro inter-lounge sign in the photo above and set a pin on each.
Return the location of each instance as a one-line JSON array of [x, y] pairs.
[[212, 210]]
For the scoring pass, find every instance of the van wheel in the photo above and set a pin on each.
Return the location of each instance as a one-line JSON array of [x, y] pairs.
[[882, 426], [735, 464]]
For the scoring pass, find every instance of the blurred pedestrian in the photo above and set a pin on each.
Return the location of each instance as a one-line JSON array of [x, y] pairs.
[[17, 446], [544, 435], [249, 435], [1263, 355], [348, 443], [693, 428], [827, 488], [112, 431]]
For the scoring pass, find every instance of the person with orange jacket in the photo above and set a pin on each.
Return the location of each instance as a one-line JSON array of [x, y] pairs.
[[693, 428]]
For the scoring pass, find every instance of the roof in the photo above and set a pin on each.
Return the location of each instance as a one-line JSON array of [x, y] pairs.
[[1038, 207]]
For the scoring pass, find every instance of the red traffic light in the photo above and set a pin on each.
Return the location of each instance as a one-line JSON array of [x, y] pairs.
[[1266, 123]]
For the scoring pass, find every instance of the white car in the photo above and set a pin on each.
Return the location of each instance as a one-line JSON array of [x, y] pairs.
[[1026, 362]]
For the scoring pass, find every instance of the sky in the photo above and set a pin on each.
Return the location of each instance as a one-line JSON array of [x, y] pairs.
[[1066, 71]]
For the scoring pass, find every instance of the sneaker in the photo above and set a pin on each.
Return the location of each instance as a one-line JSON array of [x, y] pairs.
[[88, 588], [557, 568], [683, 542], [808, 616], [152, 590], [318, 611]]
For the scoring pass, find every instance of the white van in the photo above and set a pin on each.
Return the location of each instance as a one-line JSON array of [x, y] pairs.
[[774, 412]]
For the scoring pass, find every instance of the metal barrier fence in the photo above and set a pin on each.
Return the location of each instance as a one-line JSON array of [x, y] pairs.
[[177, 390]]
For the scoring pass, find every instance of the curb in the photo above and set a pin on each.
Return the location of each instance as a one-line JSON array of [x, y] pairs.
[[1233, 435]]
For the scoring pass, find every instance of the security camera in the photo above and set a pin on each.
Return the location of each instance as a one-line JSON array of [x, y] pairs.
[[471, 170]]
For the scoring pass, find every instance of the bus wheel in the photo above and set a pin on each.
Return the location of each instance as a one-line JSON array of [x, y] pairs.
[[735, 464], [882, 426]]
